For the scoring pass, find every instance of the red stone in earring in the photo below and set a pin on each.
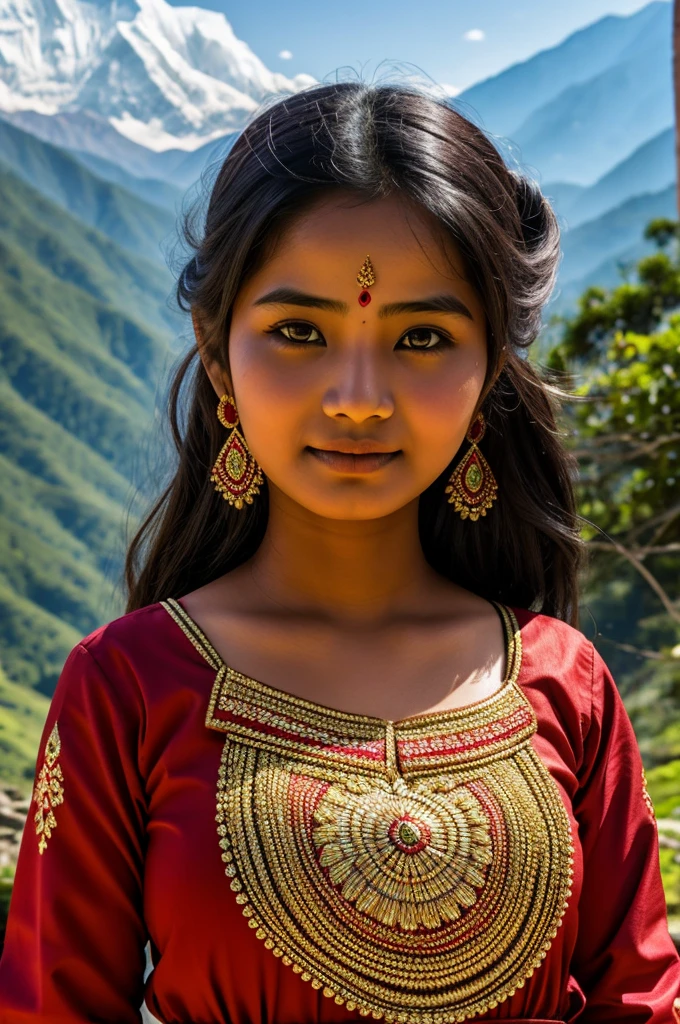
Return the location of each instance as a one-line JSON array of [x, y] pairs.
[[365, 280]]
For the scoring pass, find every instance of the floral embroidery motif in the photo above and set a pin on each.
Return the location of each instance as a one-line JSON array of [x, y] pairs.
[[646, 797], [48, 790], [444, 841], [415, 871]]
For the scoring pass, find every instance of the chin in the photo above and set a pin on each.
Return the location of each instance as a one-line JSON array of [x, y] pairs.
[[350, 506]]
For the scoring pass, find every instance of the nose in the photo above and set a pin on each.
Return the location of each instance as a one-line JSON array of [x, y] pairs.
[[359, 387]]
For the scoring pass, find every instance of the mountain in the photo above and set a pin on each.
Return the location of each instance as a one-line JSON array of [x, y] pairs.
[[650, 168], [595, 252], [126, 218], [590, 127], [571, 113], [151, 190], [505, 101], [85, 342], [152, 88], [562, 196], [163, 77]]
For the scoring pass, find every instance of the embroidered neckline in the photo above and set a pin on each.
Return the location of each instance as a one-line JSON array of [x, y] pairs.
[[350, 719], [415, 871]]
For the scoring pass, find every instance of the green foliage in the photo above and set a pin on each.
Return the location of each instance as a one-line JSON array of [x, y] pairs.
[[661, 230], [620, 356], [628, 433], [621, 353], [663, 784]]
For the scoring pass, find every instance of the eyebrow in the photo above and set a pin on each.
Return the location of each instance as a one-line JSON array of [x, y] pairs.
[[291, 297], [434, 304]]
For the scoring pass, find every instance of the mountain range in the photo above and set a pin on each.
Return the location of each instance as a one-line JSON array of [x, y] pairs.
[[576, 110], [162, 76]]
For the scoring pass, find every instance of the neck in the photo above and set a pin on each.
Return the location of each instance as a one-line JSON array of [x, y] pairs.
[[363, 570]]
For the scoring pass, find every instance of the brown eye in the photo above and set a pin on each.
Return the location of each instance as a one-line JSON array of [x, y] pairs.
[[300, 332], [423, 338]]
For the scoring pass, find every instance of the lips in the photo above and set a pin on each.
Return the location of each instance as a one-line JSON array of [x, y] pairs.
[[349, 462]]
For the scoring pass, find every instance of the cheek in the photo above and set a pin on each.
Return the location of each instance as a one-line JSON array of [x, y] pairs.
[[439, 409], [272, 398]]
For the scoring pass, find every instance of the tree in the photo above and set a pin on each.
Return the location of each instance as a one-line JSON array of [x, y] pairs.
[[620, 356]]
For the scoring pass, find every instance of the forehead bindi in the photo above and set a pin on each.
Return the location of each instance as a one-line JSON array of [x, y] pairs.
[[326, 250]]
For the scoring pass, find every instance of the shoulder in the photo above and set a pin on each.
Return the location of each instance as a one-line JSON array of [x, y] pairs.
[[556, 658], [127, 630], [551, 640], [117, 656]]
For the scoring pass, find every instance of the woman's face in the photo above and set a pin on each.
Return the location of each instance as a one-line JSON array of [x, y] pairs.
[[312, 369]]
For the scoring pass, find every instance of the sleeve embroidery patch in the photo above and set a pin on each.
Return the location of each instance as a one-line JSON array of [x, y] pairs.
[[48, 790], [648, 801]]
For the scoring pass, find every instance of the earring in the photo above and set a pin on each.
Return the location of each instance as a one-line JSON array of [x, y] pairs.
[[236, 474], [472, 485]]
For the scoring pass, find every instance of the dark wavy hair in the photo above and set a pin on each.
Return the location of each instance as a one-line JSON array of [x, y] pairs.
[[374, 141]]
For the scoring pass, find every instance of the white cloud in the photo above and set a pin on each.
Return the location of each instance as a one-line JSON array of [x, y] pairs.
[[285, 55], [475, 35], [451, 90]]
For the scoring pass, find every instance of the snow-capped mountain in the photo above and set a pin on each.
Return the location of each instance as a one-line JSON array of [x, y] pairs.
[[164, 77]]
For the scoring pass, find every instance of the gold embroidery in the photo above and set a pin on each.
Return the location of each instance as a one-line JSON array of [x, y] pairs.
[[418, 870], [48, 790], [445, 841], [646, 797]]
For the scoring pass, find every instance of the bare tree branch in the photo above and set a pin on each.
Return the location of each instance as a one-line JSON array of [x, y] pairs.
[[664, 519], [657, 549], [641, 651], [642, 569], [623, 456]]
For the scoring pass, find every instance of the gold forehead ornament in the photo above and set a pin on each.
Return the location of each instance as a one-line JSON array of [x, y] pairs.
[[365, 279]]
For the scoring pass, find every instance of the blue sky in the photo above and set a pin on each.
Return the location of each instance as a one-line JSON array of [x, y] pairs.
[[431, 34]]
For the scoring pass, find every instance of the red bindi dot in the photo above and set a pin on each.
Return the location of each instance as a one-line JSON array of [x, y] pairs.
[[364, 298]]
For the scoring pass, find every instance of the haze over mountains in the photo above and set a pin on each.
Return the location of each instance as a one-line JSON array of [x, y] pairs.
[[109, 111]]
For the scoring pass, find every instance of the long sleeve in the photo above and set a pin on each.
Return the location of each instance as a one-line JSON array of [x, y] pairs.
[[624, 959], [74, 946]]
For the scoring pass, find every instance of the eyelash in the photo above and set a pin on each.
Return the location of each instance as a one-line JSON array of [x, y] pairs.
[[276, 329]]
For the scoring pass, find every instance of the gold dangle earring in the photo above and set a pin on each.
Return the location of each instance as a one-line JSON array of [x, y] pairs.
[[236, 474], [472, 485]]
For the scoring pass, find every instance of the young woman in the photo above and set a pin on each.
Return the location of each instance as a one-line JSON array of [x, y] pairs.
[[346, 754]]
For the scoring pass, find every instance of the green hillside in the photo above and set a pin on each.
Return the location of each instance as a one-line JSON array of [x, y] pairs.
[[151, 190], [22, 714], [85, 334], [134, 223]]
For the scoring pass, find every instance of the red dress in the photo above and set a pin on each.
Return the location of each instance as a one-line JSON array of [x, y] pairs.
[[294, 864]]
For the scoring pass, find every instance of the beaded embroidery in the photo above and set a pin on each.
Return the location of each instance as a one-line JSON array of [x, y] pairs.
[[48, 791], [646, 797], [417, 871]]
